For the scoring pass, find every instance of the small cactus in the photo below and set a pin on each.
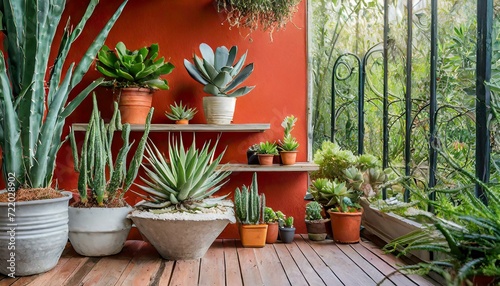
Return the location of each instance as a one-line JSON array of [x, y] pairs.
[[313, 211], [250, 206]]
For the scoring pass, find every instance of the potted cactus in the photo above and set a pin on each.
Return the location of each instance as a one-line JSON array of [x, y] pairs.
[[181, 114], [178, 214], [315, 223], [35, 104], [137, 74], [98, 223], [266, 152], [220, 74], [288, 147], [271, 220], [250, 209], [286, 229]]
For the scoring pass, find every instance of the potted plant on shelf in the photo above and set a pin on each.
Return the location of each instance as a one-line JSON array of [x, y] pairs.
[[178, 215], [315, 223], [288, 147], [252, 157], [220, 75], [286, 229], [137, 74], [271, 220], [250, 209], [34, 95], [98, 223], [181, 114], [268, 15], [267, 151]]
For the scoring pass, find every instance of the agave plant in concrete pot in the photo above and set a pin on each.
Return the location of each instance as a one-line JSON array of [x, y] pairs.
[[34, 95], [179, 216], [220, 75], [137, 75], [98, 223]]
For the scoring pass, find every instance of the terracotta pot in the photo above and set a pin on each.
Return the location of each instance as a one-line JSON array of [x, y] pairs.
[[346, 226], [134, 104], [481, 280], [266, 159], [316, 230], [272, 232], [253, 235], [182, 121], [288, 157]]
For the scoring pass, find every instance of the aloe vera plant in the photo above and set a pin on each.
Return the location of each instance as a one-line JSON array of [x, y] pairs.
[[250, 206], [186, 180], [180, 112], [138, 68], [219, 72], [32, 114], [96, 157]]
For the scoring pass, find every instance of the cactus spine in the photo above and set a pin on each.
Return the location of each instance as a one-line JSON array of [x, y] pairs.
[[249, 204]]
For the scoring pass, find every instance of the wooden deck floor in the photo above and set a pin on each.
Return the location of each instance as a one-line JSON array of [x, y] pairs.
[[302, 262]]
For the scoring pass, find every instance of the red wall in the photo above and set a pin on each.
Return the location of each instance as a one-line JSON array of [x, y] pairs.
[[179, 27]]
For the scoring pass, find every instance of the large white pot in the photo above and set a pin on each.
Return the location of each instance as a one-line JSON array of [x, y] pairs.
[[219, 109], [181, 236], [99, 231], [33, 242]]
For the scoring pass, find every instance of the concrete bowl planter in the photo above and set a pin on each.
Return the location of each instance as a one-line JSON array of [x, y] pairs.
[[99, 231], [182, 236], [37, 236]]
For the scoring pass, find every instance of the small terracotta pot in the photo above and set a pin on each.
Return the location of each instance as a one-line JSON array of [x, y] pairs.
[[272, 232], [253, 235], [288, 157], [481, 280], [346, 226], [265, 159], [135, 104], [182, 121]]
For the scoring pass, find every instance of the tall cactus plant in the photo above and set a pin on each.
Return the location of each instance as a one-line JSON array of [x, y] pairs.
[[32, 110], [250, 206], [96, 156]]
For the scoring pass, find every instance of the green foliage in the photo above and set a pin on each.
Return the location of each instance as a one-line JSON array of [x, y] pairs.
[[186, 179], [218, 72], [138, 68], [330, 193], [268, 148], [313, 211], [289, 143], [180, 112], [33, 92], [269, 215], [96, 157], [250, 206], [288, 222]]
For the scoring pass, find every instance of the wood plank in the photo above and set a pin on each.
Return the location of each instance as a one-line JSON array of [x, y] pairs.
[[164, 273], [321, 268], [212, 265], [292, 270], [305, 267], [248, 263], [231, 263], [343, 267], [143, 267], [270, 268], [186, 272], [247, 127]]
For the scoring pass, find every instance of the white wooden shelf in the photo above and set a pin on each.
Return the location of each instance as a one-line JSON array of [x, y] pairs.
[[297, 167], [248, 127]]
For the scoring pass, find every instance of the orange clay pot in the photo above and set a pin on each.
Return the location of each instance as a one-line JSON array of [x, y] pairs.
[[272, 232], [182, 121], [253, 235], [134, 104], [346, 226], [265, 159], [288, 157]]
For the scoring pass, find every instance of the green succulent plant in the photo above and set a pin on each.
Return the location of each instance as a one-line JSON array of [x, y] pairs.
[[97, 157], [288, 222], [180, 112], [219, 72], [331, 193], [268, 148], [184, 180], [138, 68], [289, 143], [249, 205], [313, 211], [270, 215], [34, 91]]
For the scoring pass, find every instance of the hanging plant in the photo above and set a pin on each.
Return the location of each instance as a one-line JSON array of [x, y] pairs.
[[266, 15]]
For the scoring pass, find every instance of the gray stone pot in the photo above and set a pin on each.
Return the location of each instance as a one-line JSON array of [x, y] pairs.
[[39, 234], [287, 234], [99, 231]]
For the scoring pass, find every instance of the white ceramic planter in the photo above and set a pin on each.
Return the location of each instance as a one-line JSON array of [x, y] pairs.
[[219, 109], [39, 234], [98, 231]]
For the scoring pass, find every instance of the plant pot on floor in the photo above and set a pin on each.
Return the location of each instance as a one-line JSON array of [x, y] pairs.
[[272, 232], [98, 231], [182, 236], [265, 159], [346, 226], [288, 157], [41, 234], [219, 109], [134, 104], [253, 235], [287, 234], [316, 229]]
